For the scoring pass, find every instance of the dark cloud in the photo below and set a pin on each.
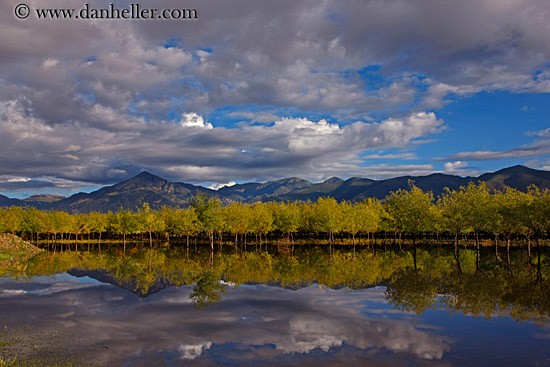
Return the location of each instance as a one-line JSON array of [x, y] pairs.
[[25, 185], [96, 101]]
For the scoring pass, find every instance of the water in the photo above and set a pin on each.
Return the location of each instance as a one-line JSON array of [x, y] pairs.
[[312, 309]]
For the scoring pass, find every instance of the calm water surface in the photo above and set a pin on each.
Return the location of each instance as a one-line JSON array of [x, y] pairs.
[[161, 308]]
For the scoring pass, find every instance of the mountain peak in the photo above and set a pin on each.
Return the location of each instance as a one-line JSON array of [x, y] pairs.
[[145, 177], [516, 169], [333, 180], [145, 174]]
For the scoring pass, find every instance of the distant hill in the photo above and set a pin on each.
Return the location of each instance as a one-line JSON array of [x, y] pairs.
[[6, 201], [158, 192], [252, 192], [131, 194]]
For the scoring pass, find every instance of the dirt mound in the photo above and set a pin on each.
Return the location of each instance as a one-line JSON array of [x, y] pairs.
[[14, 249]]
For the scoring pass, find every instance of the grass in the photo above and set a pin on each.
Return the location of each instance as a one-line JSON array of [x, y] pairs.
[[13, 251], [25, 347]]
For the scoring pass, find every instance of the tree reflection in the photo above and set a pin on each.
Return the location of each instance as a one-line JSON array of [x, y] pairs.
[[487, 288], [207, 291]]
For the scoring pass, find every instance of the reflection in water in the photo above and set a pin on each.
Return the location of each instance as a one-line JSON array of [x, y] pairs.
[[140, 309], [207, 290], [263, 320]]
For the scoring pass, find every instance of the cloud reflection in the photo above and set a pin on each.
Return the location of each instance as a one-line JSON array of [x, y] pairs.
[[266, 322]]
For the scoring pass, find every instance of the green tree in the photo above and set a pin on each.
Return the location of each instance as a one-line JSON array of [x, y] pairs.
[[480, 210], [411, 211], [149, 221], [454, 213], [32, 222], [186, 222], [370, 214], [12, 219], [508, 205], [327, 217], [123, 223], [207, 209], [261, 220]]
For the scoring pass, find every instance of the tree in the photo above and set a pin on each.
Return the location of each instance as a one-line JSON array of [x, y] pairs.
[[123, 222], [186, 222], [238, 219], [285, 217], [327, 217], [11, 219], [453, 209], [508, 205], [261, 220], [534, 212], [207, 209], [370, 214], [98, 224], [479, 209], [149, 221], [32, 221], [411, 210]]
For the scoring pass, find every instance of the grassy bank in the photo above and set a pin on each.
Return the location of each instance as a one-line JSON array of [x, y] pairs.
[[14, 250]]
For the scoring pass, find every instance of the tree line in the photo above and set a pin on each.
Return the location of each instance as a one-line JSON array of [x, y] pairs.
[[474, 209]]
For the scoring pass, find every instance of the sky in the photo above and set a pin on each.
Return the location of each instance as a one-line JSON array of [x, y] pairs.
[[259, 90]]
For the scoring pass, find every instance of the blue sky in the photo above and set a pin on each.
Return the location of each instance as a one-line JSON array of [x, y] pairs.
[[256, 90]]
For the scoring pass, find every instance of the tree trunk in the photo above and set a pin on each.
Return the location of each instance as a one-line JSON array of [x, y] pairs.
[[496, 246], [508, 249], [529, 247], [457, 254], [414, 250], [477, 251]]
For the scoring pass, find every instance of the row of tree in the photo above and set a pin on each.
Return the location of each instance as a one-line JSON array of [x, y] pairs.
[[472, 209]]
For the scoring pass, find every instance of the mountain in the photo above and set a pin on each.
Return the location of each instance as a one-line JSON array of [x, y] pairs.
[[6, 201], [44, 198], [131, 194], [158, 192], [253, 192], [42, 201], [519, 177]]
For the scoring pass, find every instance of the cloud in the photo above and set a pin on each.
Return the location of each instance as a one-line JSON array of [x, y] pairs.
[[539, 147], [192, 149], [189, 352], [194, 120], [541, 133], [98, 101], [220, 185], [269, 320], [454, 166], [300, 55]]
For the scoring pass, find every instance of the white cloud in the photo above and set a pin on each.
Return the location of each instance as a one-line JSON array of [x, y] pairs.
[[114, 145], [190, 352], [454, 166], [218, 186], [541, 133], [194, 120]]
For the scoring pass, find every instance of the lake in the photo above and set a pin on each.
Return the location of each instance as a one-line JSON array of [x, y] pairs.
[[169, 307]]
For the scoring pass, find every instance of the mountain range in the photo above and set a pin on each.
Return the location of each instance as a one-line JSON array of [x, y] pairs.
[[159, 192]]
